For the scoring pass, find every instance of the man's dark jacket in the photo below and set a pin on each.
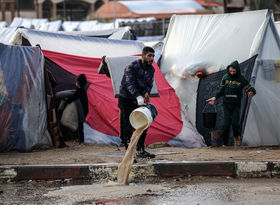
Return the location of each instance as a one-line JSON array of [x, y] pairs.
[[137, 80]]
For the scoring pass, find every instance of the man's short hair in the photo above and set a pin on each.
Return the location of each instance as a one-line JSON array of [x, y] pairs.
[[147, 49]]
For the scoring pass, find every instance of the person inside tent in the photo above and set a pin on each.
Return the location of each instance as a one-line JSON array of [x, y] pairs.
[[135, 88], [231, 88], [80, 94]]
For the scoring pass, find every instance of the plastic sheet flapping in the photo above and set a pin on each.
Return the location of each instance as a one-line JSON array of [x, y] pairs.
[[23, 112]]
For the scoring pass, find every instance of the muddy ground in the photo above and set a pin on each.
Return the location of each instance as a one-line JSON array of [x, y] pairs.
[[179, 191]]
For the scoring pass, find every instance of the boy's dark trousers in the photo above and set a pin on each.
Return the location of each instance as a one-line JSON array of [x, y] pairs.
[[81, 132], [231, 118], [126, 128]]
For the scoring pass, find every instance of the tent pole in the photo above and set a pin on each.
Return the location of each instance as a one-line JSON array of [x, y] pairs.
[[163, 26], [114, 13], [64, 10], [225, 6]]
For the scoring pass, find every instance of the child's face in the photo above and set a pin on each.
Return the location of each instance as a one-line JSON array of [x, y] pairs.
[[77, 84], [232, 70]]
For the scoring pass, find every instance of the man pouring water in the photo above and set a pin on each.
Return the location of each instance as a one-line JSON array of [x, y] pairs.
[[135, 88]]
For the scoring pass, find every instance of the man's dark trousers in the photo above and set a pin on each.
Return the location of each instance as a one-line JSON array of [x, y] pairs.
[[126, 128]]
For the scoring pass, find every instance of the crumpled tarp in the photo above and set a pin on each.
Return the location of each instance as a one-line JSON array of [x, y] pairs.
[[23, 111]]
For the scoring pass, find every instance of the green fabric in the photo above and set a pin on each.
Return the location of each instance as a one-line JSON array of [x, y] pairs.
[[232, 85]]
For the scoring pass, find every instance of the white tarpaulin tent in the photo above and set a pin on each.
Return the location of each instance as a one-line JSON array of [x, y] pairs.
[[76, 45], [28, 23], [96, 48], [86, 26], [215, 41], [6, 34], [52, 26], [122, 33], [3, 24]]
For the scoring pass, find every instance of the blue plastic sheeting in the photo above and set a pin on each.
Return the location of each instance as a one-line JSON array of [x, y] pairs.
[[188, 137], [23, 111], [93, 136]]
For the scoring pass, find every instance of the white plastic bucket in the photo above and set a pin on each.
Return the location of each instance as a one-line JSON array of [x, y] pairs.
[[143, 116]]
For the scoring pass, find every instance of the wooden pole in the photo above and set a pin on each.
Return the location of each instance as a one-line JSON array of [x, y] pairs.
[[3, 10], [225, 6], [12, 9]]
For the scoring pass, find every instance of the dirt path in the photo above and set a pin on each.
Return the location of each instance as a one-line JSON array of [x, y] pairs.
[[89, 154]]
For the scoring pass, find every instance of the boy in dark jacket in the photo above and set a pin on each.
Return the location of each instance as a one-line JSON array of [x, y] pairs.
[[80, 94], [231, 88], [135, 88]]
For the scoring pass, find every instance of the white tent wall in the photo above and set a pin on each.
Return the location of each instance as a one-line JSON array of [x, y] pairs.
[[262, 126], [194, 36], [217, 40], [277, 24]]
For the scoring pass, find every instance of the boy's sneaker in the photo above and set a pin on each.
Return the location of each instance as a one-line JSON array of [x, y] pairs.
[[145, 154]]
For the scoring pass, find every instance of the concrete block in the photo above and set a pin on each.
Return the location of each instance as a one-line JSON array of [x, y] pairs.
[[8, 172], [103, 171], [252, 169], [142, 172]]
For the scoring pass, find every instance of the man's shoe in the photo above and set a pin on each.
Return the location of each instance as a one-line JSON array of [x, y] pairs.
[[145, 154]]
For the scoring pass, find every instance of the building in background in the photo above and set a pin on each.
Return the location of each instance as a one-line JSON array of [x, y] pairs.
[[71, 10], [79, 10], [158, 12]]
